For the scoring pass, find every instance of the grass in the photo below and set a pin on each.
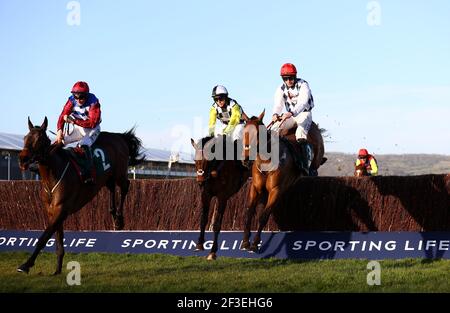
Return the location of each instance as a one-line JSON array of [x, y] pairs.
[[102, 272]]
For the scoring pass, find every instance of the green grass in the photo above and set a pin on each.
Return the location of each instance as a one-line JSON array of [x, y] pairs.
[[101, 272]]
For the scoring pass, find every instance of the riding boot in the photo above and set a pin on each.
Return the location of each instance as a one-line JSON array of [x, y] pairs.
[[87, 175], [306, 156]]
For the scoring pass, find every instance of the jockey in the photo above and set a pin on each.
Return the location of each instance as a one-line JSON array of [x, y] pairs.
[[368, 160], [228, 111], [82, 109], [295, 96]]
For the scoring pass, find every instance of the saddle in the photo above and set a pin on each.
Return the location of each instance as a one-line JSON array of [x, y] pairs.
[[78, 159]]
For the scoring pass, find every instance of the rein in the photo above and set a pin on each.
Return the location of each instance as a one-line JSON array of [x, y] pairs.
[[50, 192]]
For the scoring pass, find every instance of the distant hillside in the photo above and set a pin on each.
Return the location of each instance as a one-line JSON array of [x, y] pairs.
[[341, 164]]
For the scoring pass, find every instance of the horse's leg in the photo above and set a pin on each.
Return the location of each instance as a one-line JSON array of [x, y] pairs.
[[216, 227], [124, 187], [264, 217], [59, 236], [252, 201], [112, 199], [206, 200], [56, 220]]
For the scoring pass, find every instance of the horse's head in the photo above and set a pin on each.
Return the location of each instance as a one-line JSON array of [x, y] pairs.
[[250, 136], [36, 144], [202, 159], [360, 171]]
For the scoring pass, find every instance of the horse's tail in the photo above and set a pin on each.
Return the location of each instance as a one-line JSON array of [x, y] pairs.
[[134, 147]]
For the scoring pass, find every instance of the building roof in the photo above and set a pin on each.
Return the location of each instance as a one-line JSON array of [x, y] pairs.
[[159, 155], [15, 142], [11, 141]]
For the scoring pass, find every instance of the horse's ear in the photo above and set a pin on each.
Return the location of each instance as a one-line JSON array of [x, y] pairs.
[[261, 116], [246, 119], [30, 125], [45, 124], [193, 144]]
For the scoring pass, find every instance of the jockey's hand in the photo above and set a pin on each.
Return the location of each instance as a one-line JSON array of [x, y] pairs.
[[59, 136], [68, 119], [275, 118], [286, 116]]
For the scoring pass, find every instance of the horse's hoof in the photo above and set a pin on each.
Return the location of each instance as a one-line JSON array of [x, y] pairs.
[[199, 247], [254, 249], [23, 269], [211, 257], [245, 245]]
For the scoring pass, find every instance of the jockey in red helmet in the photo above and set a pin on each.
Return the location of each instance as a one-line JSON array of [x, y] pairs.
[[82, 109], [294, 95], [368, 160]]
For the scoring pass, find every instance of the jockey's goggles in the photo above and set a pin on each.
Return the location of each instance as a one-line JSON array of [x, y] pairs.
[[286, 78], [79, 96], [220, 98]]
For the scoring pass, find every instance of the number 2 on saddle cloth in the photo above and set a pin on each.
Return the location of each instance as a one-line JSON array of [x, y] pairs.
[[78, 158]]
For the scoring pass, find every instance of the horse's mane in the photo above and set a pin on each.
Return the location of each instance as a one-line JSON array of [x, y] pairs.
[[204, 140], [256, 119], [57, 149]]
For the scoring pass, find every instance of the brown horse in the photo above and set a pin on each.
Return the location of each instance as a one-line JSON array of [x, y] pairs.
[[63, 193], [217, 177], [272, 174], [360, 171]]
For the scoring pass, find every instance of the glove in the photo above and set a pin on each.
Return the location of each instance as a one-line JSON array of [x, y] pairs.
[[275, 118], [59, 136]]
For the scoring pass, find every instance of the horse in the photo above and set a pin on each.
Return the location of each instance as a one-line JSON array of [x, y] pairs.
[[270, 179], [360, 171], [63, 193], [217, 177]]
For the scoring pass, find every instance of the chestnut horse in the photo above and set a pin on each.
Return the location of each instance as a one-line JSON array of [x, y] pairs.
[[219, 177], [272, 173], [63, 193]]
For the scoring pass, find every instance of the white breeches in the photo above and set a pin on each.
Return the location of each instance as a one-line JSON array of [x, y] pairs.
[[303, 122], [237, 131], [85, 136]]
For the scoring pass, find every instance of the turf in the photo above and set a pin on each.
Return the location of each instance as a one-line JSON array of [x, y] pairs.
[[101, 272]]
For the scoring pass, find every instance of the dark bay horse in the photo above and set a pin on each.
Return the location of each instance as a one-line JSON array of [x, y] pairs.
[[273, 172], [63, 193], [217, 177]]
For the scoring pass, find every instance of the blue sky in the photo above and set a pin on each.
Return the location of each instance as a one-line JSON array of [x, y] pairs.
[[153, 64]]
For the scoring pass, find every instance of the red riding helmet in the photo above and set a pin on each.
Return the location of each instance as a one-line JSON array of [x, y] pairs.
[[288, 69], [363, 152], [81, 87]]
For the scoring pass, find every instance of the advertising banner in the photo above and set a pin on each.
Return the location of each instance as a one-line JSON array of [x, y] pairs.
[[291, 245]]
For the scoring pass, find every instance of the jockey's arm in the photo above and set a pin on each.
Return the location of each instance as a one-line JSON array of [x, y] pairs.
[[212, 121], [234, 119], [66, 111], [278, 104], [94, 117], [302, 99], [374, 167]]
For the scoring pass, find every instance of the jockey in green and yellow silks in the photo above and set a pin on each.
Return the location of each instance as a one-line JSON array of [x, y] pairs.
[[228, 111]]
